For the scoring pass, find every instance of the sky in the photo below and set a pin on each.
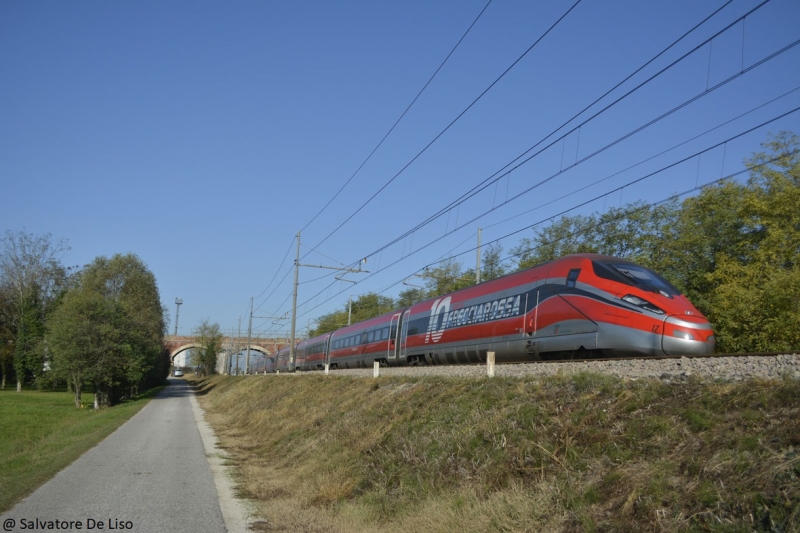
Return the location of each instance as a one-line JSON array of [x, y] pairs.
[[203, 136]]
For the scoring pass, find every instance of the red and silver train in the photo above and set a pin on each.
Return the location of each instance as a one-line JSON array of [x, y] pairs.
[[579, 306]]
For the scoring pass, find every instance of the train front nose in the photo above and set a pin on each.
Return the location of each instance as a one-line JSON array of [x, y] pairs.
[[687, 335]]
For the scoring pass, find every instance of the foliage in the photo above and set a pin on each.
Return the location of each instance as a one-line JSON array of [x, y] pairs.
[[87, 337], [636, 232], [31, 280], [364, 307], [492, 262], [109, 330], [754, 299], [732, 250], [446, 278], [209, 337]]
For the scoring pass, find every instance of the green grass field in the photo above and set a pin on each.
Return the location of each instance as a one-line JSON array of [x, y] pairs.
[[43, 432]]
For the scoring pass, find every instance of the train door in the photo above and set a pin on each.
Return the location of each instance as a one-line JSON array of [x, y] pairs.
[[403, 336], [391, 343], [327, 351]]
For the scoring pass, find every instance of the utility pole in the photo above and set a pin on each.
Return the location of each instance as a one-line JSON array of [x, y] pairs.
[[178, 302], [249, 341], [478, 259], [238, 336], [297, 265], [292, 347]]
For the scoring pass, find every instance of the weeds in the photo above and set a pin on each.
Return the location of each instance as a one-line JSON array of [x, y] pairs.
[[580, 453]]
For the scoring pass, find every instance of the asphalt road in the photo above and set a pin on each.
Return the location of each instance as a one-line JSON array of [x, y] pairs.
[[151, 475]]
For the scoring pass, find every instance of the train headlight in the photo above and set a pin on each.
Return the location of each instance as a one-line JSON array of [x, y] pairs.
[[683, 335], [641, 302]]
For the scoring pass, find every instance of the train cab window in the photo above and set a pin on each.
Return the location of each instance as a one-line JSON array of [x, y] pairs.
[[634, 275], [572, 277]]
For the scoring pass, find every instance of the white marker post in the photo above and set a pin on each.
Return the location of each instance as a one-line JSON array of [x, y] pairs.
[[490, 364], [327, 368], [376, 369]]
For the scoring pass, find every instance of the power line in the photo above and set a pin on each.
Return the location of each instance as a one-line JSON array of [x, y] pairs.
[[447, 127], [617, 189], [505, 169], [398, 120]]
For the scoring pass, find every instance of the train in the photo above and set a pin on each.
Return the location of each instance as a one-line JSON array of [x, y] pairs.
[[580, 306]]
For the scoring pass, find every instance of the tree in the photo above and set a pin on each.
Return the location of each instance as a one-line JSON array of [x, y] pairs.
[[127, 280], [567, 235], [31, 278], [209, 338], [366, 306], [410, 296], [754, 287], [447, 277], [492, 262], [86, 334], [120, 296]]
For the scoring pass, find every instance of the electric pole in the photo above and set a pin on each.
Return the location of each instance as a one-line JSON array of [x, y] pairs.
[[478, 259], [249, 341], [297, 265]]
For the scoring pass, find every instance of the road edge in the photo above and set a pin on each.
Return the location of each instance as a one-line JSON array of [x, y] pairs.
[[235, 513]]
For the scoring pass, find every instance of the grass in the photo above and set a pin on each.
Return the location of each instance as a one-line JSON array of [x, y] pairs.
[[42, 432], [577, 453]]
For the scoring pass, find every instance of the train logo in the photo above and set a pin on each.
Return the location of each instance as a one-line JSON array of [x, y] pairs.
[[439, 307]]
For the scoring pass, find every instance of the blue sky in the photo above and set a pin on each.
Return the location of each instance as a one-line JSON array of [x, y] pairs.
[[202, 136]]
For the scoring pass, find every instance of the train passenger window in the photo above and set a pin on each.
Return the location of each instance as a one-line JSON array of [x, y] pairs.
[[370, 336], [573, 276]]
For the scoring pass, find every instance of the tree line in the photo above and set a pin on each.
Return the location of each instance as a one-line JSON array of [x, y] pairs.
[[101, 326], [733, 250]]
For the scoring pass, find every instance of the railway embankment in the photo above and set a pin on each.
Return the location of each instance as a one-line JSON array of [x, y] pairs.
[[686, 448]]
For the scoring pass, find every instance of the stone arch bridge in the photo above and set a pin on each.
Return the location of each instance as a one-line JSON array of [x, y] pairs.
[[230, 345]]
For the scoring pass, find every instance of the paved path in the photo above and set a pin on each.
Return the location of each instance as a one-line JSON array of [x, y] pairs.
[[151, 474]]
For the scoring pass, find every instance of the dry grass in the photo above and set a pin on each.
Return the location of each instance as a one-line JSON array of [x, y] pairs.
[[578, 453]]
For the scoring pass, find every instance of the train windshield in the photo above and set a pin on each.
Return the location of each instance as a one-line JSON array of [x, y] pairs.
[[635, 275]]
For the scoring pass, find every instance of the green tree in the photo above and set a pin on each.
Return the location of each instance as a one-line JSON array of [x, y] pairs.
[[364, 307], [209, 337], [754, 294], [127, 280], [31, 279], [130, 353], [567, 235], [492, 262], [87, 337], [410, 296], [447, 277]]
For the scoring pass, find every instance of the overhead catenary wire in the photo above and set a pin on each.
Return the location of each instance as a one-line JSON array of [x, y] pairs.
[[402, 115], [600, 150], [750, 68], [380, 143], [499, 174], [683, 160], [477, 188], [413, 159]]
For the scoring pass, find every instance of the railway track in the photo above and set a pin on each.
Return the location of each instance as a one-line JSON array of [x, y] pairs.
[[713, 367]]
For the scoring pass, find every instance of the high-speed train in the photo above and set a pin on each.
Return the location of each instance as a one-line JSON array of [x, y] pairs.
[[579, 306]]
